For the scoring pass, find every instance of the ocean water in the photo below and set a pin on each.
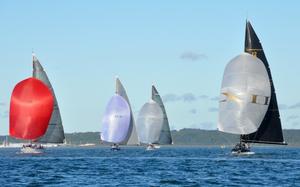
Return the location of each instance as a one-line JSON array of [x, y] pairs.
[[168, 166]]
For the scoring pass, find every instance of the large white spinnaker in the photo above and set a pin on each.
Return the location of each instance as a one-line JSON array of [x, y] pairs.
[[245, 95], [150, 122]]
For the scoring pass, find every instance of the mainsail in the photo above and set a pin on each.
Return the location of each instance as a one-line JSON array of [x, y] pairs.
[[31, 106], [270, 130], [132, 138], [55, 131], [165, 134], [150, 122]]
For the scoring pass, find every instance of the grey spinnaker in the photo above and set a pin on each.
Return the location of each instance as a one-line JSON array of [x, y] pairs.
[[55, 130], [150, 122], [245, 95], [165, 135]]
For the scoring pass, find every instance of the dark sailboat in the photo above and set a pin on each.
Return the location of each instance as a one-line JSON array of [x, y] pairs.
[[248, 104]]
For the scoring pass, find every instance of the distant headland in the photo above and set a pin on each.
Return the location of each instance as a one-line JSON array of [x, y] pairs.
[[183, 137]]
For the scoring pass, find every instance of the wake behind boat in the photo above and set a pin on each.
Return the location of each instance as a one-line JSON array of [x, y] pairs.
[[248, 104]]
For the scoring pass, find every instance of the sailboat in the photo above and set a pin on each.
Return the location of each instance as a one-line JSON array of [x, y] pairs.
[[118, 123], [5, 142], [31, 107], [152, 123], [248, 105], [55, 132]]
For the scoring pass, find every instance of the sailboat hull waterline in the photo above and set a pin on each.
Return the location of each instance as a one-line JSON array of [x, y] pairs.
[[32, 149], [152, 147], [248, 105], [242, 153]]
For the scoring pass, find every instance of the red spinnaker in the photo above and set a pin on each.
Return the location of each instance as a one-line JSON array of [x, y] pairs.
[[31, 106]]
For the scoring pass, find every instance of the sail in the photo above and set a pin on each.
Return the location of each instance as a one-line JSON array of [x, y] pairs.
[[245, 95], [116, 121], [165, 134], [150, 122], [270, 130], [55, 131], [31, 106], [132, 138]]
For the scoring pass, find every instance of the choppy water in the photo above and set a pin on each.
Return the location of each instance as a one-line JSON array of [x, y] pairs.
[[169, 166]]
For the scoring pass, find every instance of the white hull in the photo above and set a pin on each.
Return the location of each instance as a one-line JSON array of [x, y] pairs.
[[30, 150], [115, 148], [149, 148], [152, 147], [242, 153]]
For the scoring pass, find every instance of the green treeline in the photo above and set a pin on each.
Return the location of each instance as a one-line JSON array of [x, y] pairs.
[[180, 137]]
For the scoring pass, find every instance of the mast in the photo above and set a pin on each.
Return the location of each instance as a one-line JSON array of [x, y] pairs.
[[55, 131], [270, 130]]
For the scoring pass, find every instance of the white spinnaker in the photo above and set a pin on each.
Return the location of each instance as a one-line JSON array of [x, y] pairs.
[[245, 95], [150, 122]]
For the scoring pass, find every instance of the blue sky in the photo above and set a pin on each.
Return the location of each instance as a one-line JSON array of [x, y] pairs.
[[180, 46]]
